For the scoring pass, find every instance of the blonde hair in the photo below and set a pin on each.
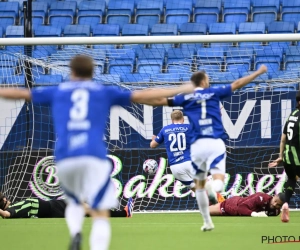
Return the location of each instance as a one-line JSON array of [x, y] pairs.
[[176, 115]]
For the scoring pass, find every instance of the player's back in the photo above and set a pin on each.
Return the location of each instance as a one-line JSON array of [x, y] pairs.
[[203, 110], [80, 111], [177, 141]]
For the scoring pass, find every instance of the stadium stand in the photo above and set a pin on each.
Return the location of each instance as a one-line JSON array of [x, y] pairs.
[[207, 11], [9, 12], [119, 12], [265, 11], [149, 13], [62, 13], [178, 11], [236, 11], [91, 12]]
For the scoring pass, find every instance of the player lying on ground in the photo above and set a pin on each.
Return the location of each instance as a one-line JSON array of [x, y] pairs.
[[255, 205], [37, 208]]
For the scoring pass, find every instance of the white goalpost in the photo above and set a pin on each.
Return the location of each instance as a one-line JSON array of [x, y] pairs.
[[253, 117]]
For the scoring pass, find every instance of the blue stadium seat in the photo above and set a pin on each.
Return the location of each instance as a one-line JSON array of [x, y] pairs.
[[265, 11], [292, 58], [90, 12], [167, 78], [180, 60], [135, 30], [119, 12], [108, 79], [221, 28], [105, 30], [41, 53], [207, 11], [285, 75], [120, 61], [239, 58], [281, 28], [150, 60], [236, 11], [62, 13], [136, 77], [270, 56], [164, 30], [192, 29], [77, 30], [14, 31], [48, 80], [291, 11], [224, 77], [210, 59], [1, 32], [178, 11], [15, 79], [39, 13], [251, 28], [149, 12], [9, 12]]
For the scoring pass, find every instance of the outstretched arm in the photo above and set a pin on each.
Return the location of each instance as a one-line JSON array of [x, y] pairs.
[[157, 97], [282, 146], [13, 93], [247, 79]]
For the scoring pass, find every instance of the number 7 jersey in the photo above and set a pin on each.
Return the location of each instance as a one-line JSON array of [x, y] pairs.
[[80, 111], [203, 110], [177, 141]]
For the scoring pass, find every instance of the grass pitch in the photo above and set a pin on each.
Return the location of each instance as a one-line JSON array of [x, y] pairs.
[[156, 232]]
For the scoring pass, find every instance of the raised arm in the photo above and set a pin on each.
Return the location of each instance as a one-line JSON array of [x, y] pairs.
[[13, 93], [247, 79], [158, 97]]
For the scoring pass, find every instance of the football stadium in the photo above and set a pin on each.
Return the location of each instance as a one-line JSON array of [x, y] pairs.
[[188, 109]]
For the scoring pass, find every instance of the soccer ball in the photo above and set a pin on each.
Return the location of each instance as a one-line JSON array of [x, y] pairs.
[[150, 166]]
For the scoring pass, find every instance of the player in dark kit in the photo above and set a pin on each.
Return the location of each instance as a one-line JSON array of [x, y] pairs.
[[37, 208], [290, 154], [255, 205]]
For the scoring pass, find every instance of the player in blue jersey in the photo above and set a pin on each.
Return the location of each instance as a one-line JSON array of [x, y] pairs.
[[177, 142], [208, 152], [80, 109]]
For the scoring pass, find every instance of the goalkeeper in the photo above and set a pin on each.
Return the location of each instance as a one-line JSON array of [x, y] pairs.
[[255, 205], [37, 208]]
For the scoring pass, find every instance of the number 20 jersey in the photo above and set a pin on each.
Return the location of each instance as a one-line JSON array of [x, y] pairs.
[[177, 141], [80, 111], [203, 110]]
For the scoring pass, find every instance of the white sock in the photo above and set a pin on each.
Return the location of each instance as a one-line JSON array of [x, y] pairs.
[[74, 216], [218, 185], [203, 204], [100, 234]]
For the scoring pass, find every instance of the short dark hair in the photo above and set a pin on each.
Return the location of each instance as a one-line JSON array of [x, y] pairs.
[[82, 66], [281, 197], [2, 202], [198, 77]]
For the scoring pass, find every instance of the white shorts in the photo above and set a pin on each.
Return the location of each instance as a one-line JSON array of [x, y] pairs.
[[87, 179], [184, 172], [208, 155]]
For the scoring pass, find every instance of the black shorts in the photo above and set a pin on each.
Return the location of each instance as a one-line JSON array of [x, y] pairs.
[[44, 209], [58, 208], [291, 170]]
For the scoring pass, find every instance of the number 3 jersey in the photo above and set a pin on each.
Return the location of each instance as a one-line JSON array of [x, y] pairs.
[[177, 142], [203, 110], [80, 111]]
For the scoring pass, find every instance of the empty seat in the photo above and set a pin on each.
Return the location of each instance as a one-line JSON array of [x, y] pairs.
[[14, 31], [90, 12], [48, 79], [270, 56], [108, 78], [9, 12], [221, 28], [239, 57], [292, 58], [150, 60], [236, 11], [39, 13], [135, 30], [166, 77], [251, 28], [210, 59], [120, 61], [47, 31], [149, 12], [265, 11], [62, 13], [180, 59], [119, 12], [281, 28], [207, 11], [105, 30], [291, 11], [1, 32], [164, 30], [77, 30], [136, 77], [178, 11], [193, 29]]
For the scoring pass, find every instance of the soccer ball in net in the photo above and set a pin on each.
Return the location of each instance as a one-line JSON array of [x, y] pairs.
[[150, 166]]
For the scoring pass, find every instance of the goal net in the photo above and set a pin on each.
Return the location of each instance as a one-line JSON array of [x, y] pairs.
[[253, 117]]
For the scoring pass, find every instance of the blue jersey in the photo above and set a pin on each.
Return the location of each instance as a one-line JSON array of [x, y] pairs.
[[203, 110], [80, 111], [177, 142]]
